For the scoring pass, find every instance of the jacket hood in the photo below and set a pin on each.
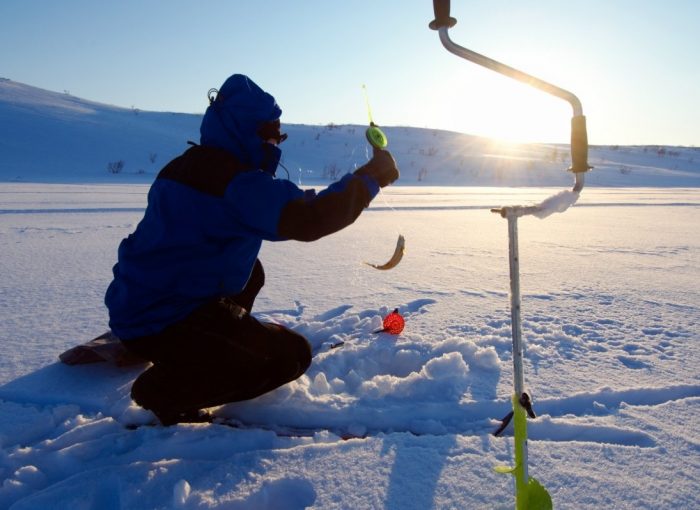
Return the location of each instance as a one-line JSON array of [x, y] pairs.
[[232, 121]]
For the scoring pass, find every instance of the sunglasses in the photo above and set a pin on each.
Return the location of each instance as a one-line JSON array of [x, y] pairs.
[[270, 132]]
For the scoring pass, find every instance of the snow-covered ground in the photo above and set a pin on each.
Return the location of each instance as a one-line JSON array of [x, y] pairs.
[[611, 313]]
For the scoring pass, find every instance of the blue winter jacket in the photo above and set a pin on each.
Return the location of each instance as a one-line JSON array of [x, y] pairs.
[[199, 237], [209, 211]]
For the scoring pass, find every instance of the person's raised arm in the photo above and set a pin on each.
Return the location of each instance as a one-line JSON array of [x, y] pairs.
[[340, 204]]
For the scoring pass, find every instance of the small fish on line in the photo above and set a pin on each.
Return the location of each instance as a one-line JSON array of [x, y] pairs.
[[395, 258]]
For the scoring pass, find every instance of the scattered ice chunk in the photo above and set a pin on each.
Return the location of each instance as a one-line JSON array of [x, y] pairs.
[[181, 493]]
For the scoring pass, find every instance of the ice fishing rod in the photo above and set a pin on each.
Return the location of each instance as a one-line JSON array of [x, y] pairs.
[[377, 139], [375, 136]]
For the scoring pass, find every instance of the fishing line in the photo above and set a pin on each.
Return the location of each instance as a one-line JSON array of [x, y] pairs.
[[369, 110]]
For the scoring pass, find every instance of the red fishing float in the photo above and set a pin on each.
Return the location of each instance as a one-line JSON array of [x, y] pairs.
[[393, 323]]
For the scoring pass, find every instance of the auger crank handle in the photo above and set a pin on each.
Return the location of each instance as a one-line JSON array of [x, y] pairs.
[[442, 15], [579, 137]]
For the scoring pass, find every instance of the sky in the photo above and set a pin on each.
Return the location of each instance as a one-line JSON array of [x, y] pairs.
[[632, 64]]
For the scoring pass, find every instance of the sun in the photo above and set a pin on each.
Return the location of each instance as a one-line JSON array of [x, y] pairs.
[[501, 108]]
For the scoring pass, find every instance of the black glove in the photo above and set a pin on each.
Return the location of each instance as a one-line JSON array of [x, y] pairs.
[[382, 168]]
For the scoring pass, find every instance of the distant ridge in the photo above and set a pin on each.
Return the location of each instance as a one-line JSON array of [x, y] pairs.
[[49, 136]]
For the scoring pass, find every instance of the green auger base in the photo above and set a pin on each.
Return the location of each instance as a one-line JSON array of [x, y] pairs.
[[537, 496]]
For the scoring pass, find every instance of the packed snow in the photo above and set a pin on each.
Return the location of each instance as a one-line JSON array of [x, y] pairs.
[[611, 321]]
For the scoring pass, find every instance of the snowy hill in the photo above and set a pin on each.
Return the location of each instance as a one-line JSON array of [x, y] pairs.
[[55, 137], [51, 137], [611, 324]]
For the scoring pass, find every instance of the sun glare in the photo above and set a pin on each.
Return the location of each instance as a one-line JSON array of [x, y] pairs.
[[498, 107]]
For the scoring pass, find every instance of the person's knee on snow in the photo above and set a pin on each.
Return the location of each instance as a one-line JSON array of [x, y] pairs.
[[295, 353], [304, 355]]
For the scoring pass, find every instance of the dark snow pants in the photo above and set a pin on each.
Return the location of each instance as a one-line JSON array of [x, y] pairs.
[[218, 354]]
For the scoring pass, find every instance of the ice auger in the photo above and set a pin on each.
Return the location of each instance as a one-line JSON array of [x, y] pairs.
[[529, 493]]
